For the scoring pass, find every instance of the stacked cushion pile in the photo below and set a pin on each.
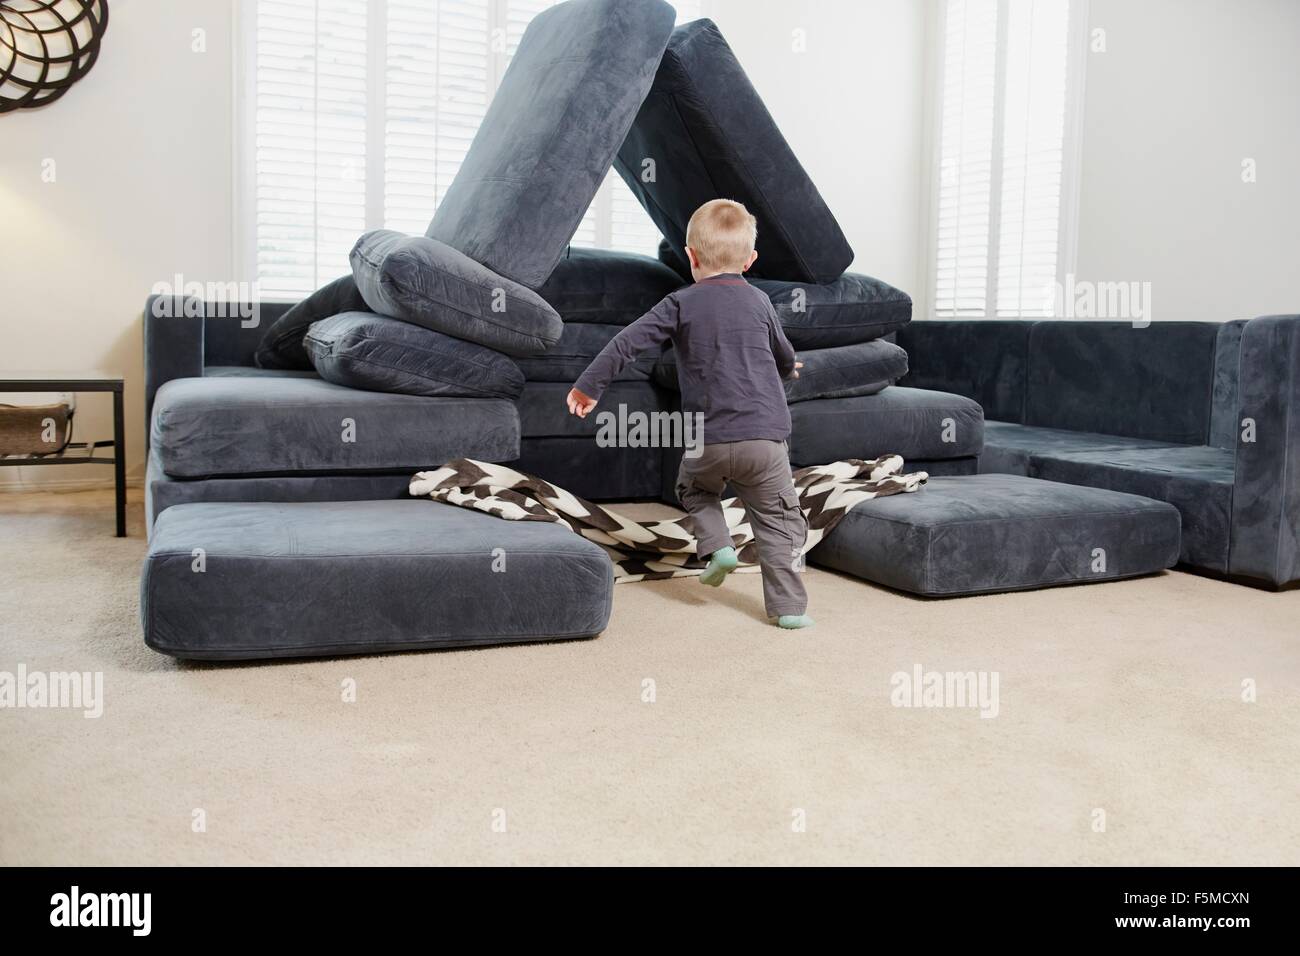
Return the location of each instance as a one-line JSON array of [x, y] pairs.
[[493, 303]]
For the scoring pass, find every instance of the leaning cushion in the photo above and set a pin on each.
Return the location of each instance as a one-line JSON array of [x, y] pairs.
[[842, 372], [847, 371], [204, 427], [543, 149], [702, 133], [431, 284], [569, 357], [988, 533], [610, 288], [364, 350], [912, 422], [322, 578], [281, 346], [853, 308]]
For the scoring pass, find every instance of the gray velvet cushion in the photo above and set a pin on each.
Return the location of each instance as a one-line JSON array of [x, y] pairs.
[[584, 468], [675, 259], [1197, 479], [983, 359], [610, 288], [842, 372], [579, 344], [562, 109], [1114, 379], [294, 424], [709, 135], [428, 283], [364, 350], [281, 346], [324, 578], [161, 491], [543, 413], [989, 533], [911, 422], [849, 310]]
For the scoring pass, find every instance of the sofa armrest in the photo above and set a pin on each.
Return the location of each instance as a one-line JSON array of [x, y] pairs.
[[173, 344], [1265, 540]]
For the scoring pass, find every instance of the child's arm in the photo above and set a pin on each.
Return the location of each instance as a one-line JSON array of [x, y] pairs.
[[652, 329], [782, 350]]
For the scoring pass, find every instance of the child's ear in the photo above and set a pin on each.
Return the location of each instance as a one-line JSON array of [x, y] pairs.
[[753, 257], [692, 257]]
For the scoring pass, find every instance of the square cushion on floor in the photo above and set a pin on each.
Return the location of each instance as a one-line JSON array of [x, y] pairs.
[[703, 133], [911, 422], [284, 425], [324, 578], [544, 414], [990, 533], [1197, 479], [841, 372], [568, 358], [607, 287], [562, 110], [851, 309], [428, 283], [281, 346], [364, 350]]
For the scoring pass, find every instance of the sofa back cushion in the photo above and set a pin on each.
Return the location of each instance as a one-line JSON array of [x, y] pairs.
[[562, 110], [984, 360], [605, 287], [1153, 382], [703, 133]]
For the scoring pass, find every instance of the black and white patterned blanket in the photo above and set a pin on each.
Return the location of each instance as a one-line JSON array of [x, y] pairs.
[[650, 550]]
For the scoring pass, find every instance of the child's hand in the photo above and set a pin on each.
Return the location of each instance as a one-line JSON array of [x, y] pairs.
[[797, 366], [579, 404]]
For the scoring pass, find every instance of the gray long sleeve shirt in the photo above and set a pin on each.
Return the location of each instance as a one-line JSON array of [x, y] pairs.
[[731, 357]]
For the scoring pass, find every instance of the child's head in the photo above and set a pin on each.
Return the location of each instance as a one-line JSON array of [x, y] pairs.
[[720, 238]]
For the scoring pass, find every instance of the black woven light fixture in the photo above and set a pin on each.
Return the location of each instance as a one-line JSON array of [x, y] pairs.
[[45, 47]]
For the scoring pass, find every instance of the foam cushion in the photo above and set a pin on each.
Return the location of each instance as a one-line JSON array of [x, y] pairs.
[[278, 425], [1158, 380], [317, 578], [842, 372], [543, 413], [428, 283], [990, 533], [579, 344], [675, 260], [610, 288], [709, 135], [562, 109], [911, 422], [364, 350], [281, 346], [849, 310], [1196, 479]]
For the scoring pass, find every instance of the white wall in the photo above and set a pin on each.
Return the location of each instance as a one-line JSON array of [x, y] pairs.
[[1186, 90], [142, 157], [851, 107]]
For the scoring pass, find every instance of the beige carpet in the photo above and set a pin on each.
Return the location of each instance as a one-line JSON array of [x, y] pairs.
[[1124, 698]]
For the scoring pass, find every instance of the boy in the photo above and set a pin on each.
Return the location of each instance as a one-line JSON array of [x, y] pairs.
[[731, 358]]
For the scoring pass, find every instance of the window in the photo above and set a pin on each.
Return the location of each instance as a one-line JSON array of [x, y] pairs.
[[357, 115], [1003, 218]]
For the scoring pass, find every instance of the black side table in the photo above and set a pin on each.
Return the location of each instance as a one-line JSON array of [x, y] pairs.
[[78, 382]]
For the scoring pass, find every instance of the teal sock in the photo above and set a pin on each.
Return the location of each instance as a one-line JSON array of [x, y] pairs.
[[721, 563], [794, 621]]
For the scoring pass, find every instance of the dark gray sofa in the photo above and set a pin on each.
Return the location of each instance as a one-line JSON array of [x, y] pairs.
[[1205, 416]]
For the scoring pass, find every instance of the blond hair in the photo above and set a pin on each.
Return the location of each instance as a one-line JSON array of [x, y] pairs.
[[722, 233]]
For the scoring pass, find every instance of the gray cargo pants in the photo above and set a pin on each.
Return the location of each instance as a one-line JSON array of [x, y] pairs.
[[759, 471]]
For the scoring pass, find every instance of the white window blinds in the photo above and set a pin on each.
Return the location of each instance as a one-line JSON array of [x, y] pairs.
[[360, 114], [1003, 156]]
